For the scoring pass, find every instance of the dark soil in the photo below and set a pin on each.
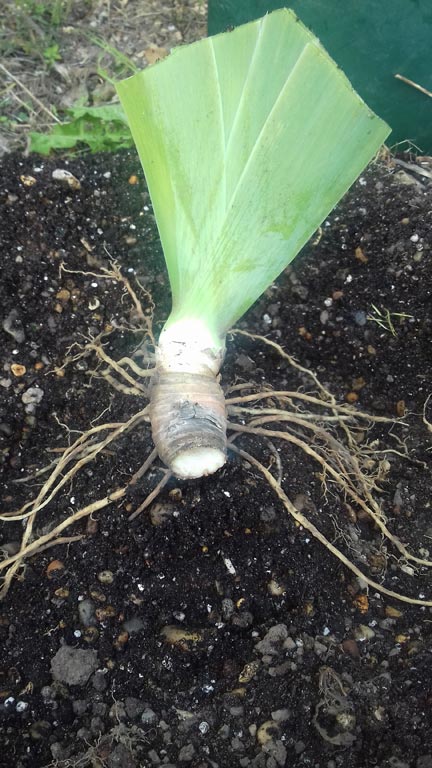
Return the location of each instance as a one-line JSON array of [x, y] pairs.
[[321, 674]]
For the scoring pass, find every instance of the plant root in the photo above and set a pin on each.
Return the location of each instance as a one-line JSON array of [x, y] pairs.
[[332, 435], [426, 422], [84, 450], [344, 464], [152, 496], [144, 321], [14, 563], [313, 530], [122, 381], [343, 479]]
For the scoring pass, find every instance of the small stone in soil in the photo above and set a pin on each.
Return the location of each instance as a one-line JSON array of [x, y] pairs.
[[118, 711], [281, 715], [40, 730], [105, 577], [86, 613], [186, 753], [32, 396], [99, 681], [154, 757], [360, 318], [133, 625], [134, 707], [73, 666], [79, 706], [273, 640], [13, 326], [149, 717], [97, 725], [277, 751]]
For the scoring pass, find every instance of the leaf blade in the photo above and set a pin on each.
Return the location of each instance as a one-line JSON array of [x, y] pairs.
[[248, 140]]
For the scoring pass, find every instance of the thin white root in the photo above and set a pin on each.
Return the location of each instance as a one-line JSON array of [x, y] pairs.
[[144, 468], [13, 563], [152, 496], [81, 454], [117, 385], [426, 421], [117, 367], [286, 397], [342, 480], [293, 363], [145, 321], [307, 525], [347, 463]]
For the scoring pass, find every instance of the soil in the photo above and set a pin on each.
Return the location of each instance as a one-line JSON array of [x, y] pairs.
[[279, 657]]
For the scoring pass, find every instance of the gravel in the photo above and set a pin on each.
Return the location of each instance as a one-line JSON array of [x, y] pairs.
[[73, 666]]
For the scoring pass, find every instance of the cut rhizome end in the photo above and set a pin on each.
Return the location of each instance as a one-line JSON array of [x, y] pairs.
[[187, 406]]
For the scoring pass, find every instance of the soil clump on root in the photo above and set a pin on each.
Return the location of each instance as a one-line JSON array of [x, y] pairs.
[[213, 629]]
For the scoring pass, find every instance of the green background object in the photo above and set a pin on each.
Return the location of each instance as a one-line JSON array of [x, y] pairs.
[[371, 40]]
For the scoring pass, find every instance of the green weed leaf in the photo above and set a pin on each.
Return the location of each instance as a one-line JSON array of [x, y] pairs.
[[101, 129]]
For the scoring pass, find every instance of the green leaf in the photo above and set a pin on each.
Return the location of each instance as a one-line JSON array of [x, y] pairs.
[[107, 112], [248, 140], [101, 129]]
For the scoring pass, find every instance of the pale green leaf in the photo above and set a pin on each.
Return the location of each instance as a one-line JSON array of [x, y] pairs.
[[248, 140]]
